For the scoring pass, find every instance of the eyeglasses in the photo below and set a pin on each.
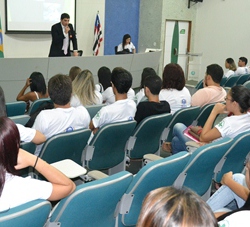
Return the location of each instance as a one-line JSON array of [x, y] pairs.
[[226, 98]]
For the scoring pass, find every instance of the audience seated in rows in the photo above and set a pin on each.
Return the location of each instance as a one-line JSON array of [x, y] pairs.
[[63, 118], [152, 87], [235, 187], [237, 104], [146, 72], [169, 206], [230, 65], [123, 109], [173, 88], [84, 92], [211, 91], [242, 66], [73, 72], [38, 89], [26, 134], [15, 190]]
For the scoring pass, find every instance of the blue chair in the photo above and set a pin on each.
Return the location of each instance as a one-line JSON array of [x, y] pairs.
[[37, 103], [94, 109], [223, 81], [66, 145], [185, 116], [31, 214], [235, 157], [106, 150], [92, 204], [154, 175], [15, 108], [203, 115], [247, 84], [231, 81], [146, 138], [199, 85], [242, 79], [199, 171], [20, 119]]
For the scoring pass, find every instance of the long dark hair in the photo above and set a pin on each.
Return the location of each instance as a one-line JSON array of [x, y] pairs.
[[9, 147], [104, 77], [38, 82], [126, 36]]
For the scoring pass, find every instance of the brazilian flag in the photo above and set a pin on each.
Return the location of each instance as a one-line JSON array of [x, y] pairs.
[[1, 41]]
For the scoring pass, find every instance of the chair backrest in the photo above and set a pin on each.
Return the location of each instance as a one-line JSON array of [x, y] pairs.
[[31, 214], [15, 108], [231, 81], [242, 79], [92, 204], [94, 109], [36, 104], [20, 119], [107, 147], [223, 81], [66, 145], [235, 157], [185, 116], [160, 173], [203, 115], [199, 171], [199, 85], [247, 84], [116, 47], [147, 135]]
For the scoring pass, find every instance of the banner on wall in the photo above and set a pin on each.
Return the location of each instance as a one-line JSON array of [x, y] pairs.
[[97, 36], [1, 41]]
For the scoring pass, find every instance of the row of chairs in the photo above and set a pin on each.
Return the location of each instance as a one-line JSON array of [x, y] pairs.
[[228, 81], [117, 199], [114, 143]]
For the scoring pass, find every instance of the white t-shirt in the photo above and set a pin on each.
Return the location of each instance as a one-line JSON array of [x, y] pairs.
[[139, 95], [109, 96], [19, 190], [26, 134], [75, 101], [236, 219], [229, 73], [234, 125], [242, 70], [129, 46], [121, 110], [54, 121], [176, 99]]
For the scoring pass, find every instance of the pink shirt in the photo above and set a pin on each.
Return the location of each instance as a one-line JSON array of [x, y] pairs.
[[208, 95]]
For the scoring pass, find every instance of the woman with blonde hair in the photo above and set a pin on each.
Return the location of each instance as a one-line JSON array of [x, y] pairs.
[[84, 92], [231, 66], [169, 206]]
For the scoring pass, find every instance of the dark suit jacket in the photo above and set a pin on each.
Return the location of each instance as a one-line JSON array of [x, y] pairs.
[[57, 40]]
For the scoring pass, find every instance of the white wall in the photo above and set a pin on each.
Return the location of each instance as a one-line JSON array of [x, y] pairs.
[[222, 31], [37, 45]]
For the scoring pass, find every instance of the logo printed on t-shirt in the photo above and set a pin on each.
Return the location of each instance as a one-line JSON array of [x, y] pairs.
[[221, 124], [130, 118], [69, 129], [97, 116], [183, 103]]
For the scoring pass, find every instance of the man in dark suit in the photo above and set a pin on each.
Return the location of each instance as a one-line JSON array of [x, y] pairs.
[[62, 33]]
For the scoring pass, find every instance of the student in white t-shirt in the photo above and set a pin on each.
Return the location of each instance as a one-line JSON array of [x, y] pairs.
[[63, 118], [123, 109], [16, 190], [126, 45], [84, 92], [237, 104], [173, 88], [230, 65], [242, 66]]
